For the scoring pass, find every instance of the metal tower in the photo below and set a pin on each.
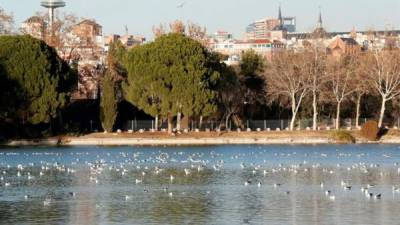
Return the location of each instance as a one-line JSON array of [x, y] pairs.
[[52, 5]]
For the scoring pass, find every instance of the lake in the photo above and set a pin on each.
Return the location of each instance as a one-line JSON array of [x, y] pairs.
[[255, 184]]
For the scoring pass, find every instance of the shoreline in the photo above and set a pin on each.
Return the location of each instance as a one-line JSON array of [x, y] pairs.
[[196, 139]]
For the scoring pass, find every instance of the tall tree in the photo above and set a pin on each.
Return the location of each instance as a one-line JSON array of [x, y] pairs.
[[171, 76], [384, 77], [231, 98], [315, 69], [108, 103], [361, 85], [251, 68], [44, 80], [111, 85], [287, 82], [339, 80]]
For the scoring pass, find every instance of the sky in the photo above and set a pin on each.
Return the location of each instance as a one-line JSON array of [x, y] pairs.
[[228, 15]]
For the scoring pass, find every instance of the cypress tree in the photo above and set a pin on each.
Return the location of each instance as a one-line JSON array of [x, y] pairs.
[[108, 103]]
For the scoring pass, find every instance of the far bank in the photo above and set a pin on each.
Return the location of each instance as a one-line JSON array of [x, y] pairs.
[[208, 138]]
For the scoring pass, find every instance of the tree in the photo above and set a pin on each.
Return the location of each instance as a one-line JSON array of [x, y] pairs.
[[6, 22], [192, 30], [339, 81], [384, 77], [315, 70], [287, 82], [44, 80], [111, 84], [361, 86], [251, 68], [108, 103], [231, 97], [171, 76]]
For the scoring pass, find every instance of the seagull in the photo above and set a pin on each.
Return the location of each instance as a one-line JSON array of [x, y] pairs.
[[47, 202], [181, 5], [378, 196], [259, 184]]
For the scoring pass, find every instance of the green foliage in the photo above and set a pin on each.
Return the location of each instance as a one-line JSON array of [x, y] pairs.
[[370, 130], [38, 79], [251, 68], [251, 64], [170, 75], [342, 136], [108, 103]]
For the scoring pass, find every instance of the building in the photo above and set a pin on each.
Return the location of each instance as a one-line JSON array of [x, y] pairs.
[[34, 26], [235, 48], [271, 28], [221, 36], [343, 46], [87, 30]]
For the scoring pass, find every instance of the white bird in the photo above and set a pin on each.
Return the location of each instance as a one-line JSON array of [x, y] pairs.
[[47, 202], [332, 197], [259, 184], [181, 5], [187, 171], [137, 181]]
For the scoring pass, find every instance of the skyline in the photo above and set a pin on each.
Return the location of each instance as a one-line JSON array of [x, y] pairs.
[[222, 15]]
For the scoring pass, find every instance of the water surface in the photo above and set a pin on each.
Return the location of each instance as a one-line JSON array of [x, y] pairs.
[[201, 185]]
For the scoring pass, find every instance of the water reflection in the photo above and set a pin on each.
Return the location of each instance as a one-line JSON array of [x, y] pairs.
[[201, 185]]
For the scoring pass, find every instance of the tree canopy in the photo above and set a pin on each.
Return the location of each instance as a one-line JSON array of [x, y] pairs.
[[39, 80], [171, 75]]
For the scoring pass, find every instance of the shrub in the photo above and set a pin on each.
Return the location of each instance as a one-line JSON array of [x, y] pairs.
[[370, 130], [342, 136]]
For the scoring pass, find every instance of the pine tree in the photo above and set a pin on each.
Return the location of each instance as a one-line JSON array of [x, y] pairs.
[[170, 77], [39, 80], [108, 104]]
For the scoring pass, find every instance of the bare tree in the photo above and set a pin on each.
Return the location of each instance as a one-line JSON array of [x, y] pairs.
[[315, 70], [177, 27], [361, 84], [6, 22], [339, 75], [159, 30], [287, 82], [384, 76]]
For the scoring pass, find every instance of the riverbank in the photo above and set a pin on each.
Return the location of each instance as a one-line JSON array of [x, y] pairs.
[[201, 138]]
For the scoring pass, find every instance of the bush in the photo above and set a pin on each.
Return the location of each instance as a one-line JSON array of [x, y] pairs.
[[370, 130], [342, 136]]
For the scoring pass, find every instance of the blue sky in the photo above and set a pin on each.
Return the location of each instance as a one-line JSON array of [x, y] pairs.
[[229, 15]]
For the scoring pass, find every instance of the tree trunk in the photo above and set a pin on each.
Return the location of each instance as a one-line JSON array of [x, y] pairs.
[[227, 121], [201, 122], [358, 104], [292, 122], [315, 114], [178, 121], [170, 125], [338, 115], [156, 123], [383, 109]]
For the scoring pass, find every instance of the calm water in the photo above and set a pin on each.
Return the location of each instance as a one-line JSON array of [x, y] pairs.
[[201, 185]]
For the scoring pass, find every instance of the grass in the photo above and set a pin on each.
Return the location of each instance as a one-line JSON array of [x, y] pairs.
[[342, 136]]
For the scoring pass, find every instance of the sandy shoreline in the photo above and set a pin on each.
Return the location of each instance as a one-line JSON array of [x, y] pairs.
[[195, 139]]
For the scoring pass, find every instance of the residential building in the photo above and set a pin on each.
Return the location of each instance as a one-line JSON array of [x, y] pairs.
[[34, 26]]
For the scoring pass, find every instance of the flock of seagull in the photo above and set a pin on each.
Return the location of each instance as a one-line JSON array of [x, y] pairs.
[[139, 166]]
